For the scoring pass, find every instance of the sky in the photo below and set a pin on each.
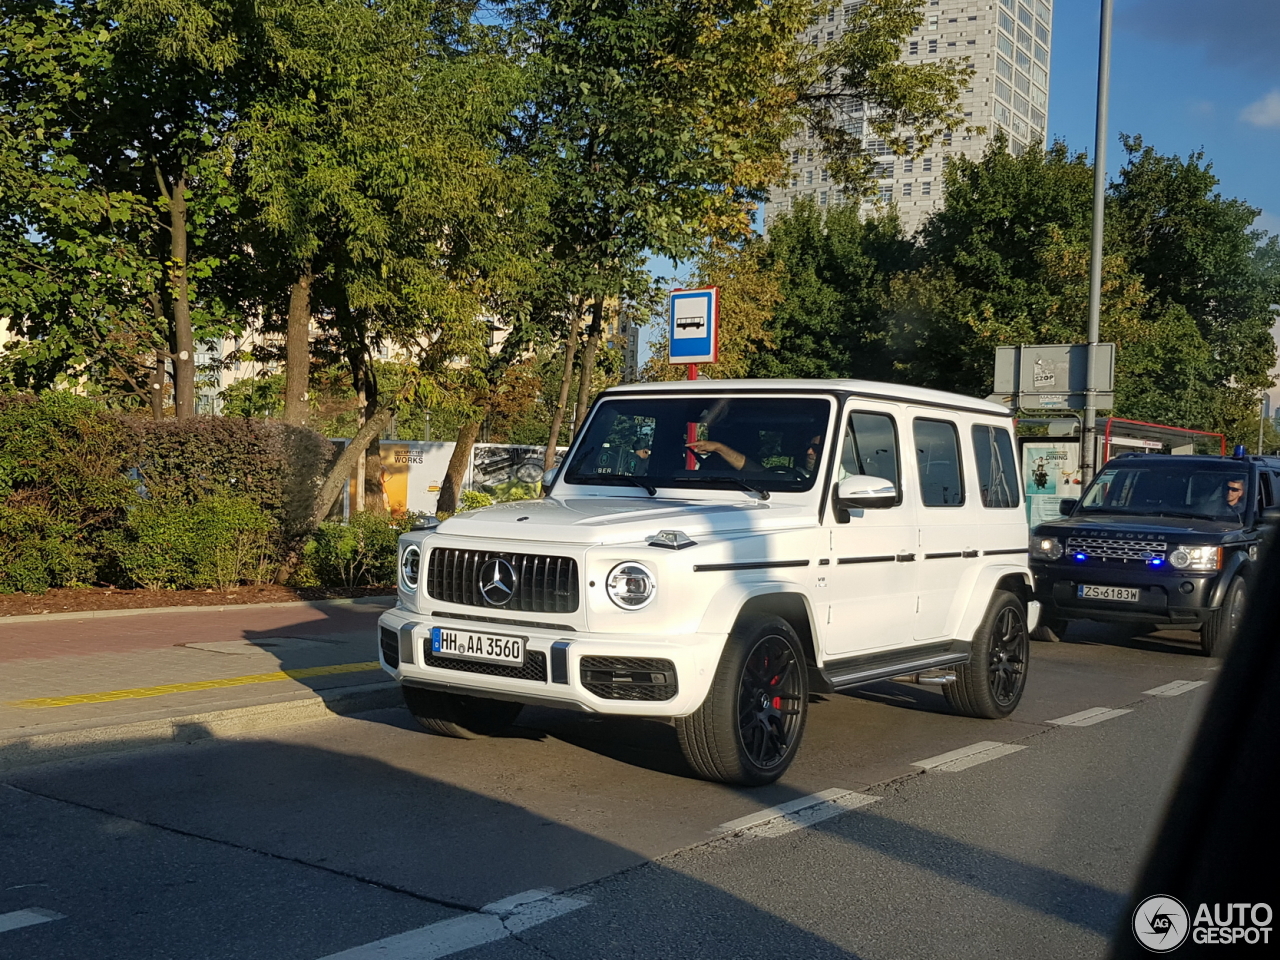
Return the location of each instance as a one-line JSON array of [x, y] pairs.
[[1188, 75]]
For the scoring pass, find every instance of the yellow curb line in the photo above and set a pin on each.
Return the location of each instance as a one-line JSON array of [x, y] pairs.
[[160, 691]]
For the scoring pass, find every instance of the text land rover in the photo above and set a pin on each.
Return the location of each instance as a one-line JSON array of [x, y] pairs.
[[714, 551]]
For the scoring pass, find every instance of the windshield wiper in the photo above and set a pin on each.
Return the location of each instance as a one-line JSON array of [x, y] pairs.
[[751, 487], [639, 482]]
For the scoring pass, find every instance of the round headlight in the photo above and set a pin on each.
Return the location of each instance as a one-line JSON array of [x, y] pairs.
[[1180, 558], [630, 585], [1046, 548], [410, 561]]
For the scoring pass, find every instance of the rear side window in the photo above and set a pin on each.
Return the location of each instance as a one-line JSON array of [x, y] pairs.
[[997, 474], [938, 457], [871, 449]]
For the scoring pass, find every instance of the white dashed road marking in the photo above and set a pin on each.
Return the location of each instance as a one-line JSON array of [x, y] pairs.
[[1175, 688], [1087, 718], [796, 814], [493, 922], [969, 756], [26, 918]]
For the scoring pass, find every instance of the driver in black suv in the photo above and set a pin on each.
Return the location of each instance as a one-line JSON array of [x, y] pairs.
[[1158, 539]]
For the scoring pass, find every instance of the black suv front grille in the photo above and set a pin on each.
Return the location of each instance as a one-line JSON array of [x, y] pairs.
[[1108, 548], [629, 678], [543, 584], [535, 665]]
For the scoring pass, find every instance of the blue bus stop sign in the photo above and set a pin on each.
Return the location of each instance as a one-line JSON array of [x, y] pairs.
[[693, 329]]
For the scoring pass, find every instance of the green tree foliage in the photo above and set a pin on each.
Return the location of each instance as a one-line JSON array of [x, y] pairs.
[[835, 268], [1186, 287]]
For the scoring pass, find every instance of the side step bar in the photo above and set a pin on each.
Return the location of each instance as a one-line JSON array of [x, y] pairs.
[[855, 671]]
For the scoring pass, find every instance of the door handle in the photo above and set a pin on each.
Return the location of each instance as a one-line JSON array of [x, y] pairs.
[[905, 557]]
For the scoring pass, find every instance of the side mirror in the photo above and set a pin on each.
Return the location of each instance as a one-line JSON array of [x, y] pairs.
[[424, 523], [863, 491], [1066, 505], [549, 477]]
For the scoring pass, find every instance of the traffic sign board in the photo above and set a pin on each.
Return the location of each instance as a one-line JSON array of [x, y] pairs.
[[693, 330]]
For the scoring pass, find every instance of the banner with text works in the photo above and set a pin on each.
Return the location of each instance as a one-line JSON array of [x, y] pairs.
[[693, 330]]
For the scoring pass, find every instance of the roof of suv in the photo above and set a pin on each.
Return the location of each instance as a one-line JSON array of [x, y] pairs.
[[862, 388], [1270, 462]]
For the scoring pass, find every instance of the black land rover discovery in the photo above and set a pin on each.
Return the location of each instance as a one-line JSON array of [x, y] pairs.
[[1158, 539]]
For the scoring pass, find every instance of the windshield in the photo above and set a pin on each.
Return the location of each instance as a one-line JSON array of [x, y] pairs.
[[752, 443], [1172, 488]]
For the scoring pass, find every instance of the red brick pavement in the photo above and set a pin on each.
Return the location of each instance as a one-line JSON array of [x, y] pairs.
[[151, 631]]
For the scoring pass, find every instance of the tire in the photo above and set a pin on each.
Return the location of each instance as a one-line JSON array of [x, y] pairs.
[[748, 729], [1221, 628], [1050, 630], [456, 715], [990, 685]]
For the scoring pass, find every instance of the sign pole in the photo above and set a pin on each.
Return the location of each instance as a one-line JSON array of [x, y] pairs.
[[1090, 427]]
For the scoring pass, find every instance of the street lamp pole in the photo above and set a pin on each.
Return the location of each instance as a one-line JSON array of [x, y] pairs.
[[1090, 428]]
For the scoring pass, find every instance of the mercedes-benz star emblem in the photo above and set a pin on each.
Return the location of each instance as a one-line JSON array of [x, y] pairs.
[[497, 581]]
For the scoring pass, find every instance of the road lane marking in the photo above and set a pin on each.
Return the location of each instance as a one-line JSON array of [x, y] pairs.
[[970, 756], [495, 921], [796, 814], [27, 918], [137, 693], [1087, 718], [1175, 688]]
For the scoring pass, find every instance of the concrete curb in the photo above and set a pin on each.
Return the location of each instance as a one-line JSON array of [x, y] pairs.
[[226, 608], [41, 748]]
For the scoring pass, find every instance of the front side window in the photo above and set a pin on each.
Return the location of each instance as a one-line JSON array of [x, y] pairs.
[[724, 443], [997, 473], [1176, 488], [938, 459]]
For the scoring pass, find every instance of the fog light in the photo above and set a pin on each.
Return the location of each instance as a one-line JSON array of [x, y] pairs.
[[1186, 586]]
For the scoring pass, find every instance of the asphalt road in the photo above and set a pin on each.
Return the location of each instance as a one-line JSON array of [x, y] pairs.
[[587, 837]]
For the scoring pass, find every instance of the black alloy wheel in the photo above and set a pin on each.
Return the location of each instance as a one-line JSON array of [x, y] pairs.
[[749, 727], [1007, 659], [769, 701], [990, 685]]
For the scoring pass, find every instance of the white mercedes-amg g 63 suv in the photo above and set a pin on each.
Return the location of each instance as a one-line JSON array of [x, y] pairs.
[[713, 552]]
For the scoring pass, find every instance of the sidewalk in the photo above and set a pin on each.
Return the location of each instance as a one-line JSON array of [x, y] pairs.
[[72, 686]]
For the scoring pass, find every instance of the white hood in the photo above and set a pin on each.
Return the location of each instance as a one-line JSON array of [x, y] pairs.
[[603, 520]]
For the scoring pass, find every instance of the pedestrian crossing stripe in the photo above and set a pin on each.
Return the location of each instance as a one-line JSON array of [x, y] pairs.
[[137, 693]]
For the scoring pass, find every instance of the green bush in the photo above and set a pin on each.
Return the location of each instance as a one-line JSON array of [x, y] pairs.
[[359, 553], [63, 482], [474, 500], [39, 551], [274, 465], [220, 541]]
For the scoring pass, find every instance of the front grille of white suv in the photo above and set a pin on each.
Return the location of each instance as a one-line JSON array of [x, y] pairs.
[[542, 584]]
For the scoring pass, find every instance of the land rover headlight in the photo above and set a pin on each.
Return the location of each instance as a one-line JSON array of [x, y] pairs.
[[1046, 548], [1196, 558], [630, 585], [410, 562]]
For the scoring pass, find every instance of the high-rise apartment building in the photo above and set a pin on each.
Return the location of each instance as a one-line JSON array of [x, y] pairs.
[[1007, 42]]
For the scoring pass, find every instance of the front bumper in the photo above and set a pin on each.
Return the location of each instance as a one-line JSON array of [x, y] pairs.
[[1169, 596], [568, 669]]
